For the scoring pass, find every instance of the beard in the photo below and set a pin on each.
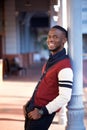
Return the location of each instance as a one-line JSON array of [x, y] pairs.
[[55, 49]]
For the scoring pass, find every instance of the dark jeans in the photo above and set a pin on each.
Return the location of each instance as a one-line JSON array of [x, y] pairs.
[[40, 124]]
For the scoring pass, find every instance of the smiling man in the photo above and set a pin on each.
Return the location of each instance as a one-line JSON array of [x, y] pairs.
[[54, 89]]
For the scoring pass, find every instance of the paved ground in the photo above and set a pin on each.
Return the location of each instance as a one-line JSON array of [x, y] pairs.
[[14, 92]]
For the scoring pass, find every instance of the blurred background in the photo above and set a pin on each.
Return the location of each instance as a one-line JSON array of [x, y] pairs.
[[24, 26]]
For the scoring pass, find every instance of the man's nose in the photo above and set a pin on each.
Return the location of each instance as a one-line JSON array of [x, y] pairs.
[[51, 39]]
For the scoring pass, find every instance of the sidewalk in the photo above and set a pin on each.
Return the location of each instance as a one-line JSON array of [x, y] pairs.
[[14, 93]]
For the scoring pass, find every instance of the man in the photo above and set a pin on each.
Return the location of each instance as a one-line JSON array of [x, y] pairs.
[[54, 89]]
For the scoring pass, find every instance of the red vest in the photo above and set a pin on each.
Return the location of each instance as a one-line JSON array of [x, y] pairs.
[[48, 88]]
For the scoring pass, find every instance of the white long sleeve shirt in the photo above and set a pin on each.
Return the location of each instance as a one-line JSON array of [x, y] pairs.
[[65, 77]]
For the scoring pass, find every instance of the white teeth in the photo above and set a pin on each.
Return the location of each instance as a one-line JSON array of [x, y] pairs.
[[51, 44]]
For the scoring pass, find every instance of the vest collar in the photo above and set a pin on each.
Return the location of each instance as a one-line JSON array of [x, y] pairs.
[[55, 58]]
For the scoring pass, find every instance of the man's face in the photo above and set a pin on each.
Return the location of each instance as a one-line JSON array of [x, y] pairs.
[[55, 40]]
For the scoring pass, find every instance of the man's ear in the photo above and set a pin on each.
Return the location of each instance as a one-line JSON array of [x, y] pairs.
[[64, 40]]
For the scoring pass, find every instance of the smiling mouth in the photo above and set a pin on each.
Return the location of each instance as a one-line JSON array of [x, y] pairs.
[[51, 44]]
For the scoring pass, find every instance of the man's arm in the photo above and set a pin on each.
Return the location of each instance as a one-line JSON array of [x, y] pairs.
[[65, 90]]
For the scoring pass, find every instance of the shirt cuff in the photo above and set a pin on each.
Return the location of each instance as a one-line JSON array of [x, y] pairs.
[[45, 111]]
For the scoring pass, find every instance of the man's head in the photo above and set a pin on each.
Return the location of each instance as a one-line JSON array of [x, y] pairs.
[[57, 37]]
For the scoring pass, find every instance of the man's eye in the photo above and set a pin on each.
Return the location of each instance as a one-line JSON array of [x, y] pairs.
[[48, 37], [55, 37]]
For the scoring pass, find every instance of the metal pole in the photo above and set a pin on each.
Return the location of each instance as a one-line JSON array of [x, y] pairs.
[[75, 114]]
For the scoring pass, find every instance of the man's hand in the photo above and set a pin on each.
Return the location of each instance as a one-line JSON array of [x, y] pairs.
[[34, 114]]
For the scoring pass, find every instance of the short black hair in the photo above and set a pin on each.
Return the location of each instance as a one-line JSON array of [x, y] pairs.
[[62, 29]]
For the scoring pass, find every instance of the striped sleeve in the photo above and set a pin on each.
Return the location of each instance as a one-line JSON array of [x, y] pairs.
[[65, 78], [65, 89]]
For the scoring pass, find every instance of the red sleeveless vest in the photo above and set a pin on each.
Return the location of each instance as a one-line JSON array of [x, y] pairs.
[[48, 88]]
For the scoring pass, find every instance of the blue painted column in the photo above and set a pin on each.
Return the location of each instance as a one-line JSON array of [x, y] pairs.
[[75, 114]]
